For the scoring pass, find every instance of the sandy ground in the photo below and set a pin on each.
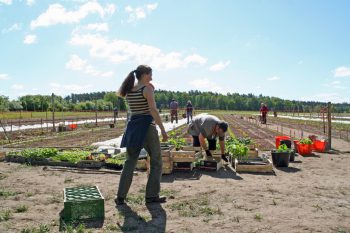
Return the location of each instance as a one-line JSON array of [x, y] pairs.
[[312, 195]]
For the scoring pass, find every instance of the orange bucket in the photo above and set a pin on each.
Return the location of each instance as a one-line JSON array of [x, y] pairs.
[[320, 146], [279, 139], [73, 126], [304, 149]]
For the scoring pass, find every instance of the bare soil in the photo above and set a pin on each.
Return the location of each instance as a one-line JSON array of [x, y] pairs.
[[311, 195]]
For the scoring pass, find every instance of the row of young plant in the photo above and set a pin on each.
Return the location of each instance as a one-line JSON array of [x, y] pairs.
[[70, 156]]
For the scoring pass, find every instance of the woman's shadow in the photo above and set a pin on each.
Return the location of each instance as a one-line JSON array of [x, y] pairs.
[[134, 222]]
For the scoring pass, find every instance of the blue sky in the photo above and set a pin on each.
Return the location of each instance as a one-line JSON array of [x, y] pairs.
[[290, 49]]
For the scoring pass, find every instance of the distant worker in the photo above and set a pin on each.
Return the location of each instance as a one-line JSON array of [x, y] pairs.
[[115, 114], [174, 105], [208, 127], [189, 111], [264, 110]]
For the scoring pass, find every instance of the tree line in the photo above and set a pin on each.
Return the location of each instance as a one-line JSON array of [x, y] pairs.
[[200, 100]]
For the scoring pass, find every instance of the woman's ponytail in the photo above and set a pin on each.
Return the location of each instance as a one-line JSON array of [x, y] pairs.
[[127, 84]]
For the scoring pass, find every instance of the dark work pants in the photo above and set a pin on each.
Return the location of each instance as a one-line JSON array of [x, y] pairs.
[[211, 142], [152, 146]]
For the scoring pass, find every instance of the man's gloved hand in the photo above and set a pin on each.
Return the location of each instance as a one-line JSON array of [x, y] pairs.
[[208, 153], [224, 157]]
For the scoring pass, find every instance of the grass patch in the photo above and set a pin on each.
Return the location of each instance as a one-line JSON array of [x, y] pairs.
[[29, 194], [135, 199], [5, 215], [21, 209], [195, 207], [167, 192], [3, 176], [111, 227], [42, 229], [68, 180], [318, 207], [258, 217], [5, 193], [274, 202]]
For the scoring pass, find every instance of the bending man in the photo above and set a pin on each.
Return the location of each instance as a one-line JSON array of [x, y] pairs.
[[208, 127]]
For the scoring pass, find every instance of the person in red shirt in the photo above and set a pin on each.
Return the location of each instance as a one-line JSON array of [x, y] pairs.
[[264, 110]]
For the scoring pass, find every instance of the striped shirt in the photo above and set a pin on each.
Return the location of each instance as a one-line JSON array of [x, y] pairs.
[[137, 102]]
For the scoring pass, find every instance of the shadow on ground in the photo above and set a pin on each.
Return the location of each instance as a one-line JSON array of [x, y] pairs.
[[134, 222]]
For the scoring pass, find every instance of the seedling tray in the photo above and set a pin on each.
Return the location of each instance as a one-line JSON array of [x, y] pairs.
[[83, 203], [256, 165], [89, 164]]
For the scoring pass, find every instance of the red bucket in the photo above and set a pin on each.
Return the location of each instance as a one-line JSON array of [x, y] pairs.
[[304, 149], [320, 146], [73, 126], [296, 142], [279, 139]]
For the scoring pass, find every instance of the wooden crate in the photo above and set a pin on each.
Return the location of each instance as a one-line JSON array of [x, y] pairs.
[[167, 167], [2, 155], [211, 164], [183, 166], [141, 164], [184, 156], [191, 148], [253, 153], [259, 167]]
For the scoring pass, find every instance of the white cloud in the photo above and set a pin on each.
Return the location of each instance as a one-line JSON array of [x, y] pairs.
[[342, 71], [98, 27], [220, 66], [57, 14], [140, 12], [119, 51], [207, 85], [195, 58], [30, 39], [75, 63], [17, 87], [13, 27], [274, 78], [6, 2], [327, 97], [78, 64], [4, 76], [30, 2]]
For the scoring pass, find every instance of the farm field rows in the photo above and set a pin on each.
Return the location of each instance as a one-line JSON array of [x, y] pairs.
[[311, 195]]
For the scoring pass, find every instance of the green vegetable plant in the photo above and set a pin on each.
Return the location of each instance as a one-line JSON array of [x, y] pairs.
[[39, 153], [72, 156], [305, 141], [283, 149], [177, 141], [236, 149]]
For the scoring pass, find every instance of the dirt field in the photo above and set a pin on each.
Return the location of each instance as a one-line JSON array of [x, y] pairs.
[[312, 195]]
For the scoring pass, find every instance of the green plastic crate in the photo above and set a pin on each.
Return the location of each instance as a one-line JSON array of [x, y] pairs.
[[83, 203]]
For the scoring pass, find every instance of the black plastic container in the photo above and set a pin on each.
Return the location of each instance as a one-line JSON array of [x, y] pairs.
[[280, 159], [288, 143], [292, 156]]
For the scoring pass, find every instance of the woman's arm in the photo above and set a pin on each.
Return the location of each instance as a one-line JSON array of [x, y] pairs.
[[149, 95]]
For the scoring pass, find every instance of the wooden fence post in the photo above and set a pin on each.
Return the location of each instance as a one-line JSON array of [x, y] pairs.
[[329, 126]]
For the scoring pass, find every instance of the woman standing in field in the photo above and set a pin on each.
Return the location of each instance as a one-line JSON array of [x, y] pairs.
[[141, 132]]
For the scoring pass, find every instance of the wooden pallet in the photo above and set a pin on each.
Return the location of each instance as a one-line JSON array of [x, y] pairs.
[[259, 167]]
